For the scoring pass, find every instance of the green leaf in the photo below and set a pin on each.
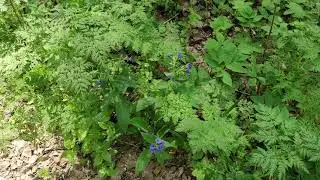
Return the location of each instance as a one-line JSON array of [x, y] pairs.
[[163, 131], [69, 143], [296, 10], [144, 103], [123, 115], [82, 133], [140, 123], [149, 138], [71, 155], [104, 125], [236, 67], [220, 37], [3, 7], [221, 23], [226, 78], [143, 160], [162, 157], [104, 171], [203, 74]]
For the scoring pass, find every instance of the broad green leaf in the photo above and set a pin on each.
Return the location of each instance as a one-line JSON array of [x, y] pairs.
[[123, 115], [149, 138], [143, 160], [236, 67], [163, 131], [140, 123], [226, 78], [221, 23], [144, 103]]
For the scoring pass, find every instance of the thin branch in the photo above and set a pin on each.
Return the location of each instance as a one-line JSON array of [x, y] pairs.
[[272, 22]]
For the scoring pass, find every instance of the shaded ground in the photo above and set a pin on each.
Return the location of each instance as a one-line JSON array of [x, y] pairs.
[[24, 161], [175, 169]]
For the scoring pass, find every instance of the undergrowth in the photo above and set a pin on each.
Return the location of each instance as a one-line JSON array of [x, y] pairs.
[[245, 107]]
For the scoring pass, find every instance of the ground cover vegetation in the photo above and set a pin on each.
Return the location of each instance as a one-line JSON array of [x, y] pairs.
[[243, 106]]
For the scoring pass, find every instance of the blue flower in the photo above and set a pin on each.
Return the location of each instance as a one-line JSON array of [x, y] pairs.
[[159, 141], [153, 148], [161, 147], [188, 70], [158, 147], [180, 55]]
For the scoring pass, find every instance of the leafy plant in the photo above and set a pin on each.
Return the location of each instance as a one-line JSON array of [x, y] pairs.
[[246, 107]]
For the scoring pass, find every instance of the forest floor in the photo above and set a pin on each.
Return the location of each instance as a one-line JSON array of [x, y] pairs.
[[22, 160]]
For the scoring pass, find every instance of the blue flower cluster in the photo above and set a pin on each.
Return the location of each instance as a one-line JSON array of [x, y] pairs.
[[158, 146], [188, 70]]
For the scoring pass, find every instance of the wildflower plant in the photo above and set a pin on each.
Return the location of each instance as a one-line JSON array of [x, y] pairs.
[[95, 71]]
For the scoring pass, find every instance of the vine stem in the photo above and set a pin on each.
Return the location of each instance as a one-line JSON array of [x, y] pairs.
[[272, 22], [265, 49]]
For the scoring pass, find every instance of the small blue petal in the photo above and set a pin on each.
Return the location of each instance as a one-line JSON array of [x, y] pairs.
[[159, 141], [153, 148], [161, 147], [188, 70]]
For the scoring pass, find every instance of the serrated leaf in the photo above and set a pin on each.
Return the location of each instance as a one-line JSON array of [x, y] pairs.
[[143, 160], [296, 10], [82, 133], [69, 143], [219, 36], [226, 78], [203, 74], [221, 23]]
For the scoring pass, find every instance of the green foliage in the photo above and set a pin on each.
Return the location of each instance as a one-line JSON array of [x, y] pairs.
[[221, 23], [94, 71]]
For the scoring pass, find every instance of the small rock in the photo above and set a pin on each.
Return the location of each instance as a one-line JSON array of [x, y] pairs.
[[156, 171], [39, 151], [173, 168], [4, 165], [180, 171], [27, 152], [19, 143], [33, 159]]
